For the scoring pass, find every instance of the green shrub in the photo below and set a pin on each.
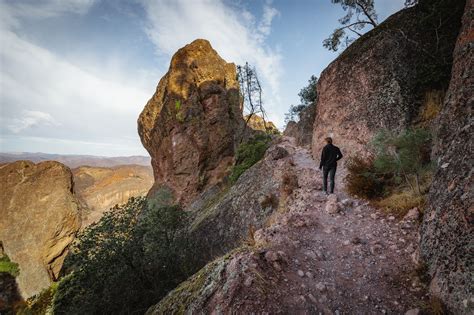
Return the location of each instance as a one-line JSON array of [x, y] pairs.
[[248, 154], [40, 303], [405, 156], [127, 261], [362, 179], [6, 265]]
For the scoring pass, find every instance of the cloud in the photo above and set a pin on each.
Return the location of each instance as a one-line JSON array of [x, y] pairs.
[[233, 31], [31, 118], [44, 95], [11, 13]]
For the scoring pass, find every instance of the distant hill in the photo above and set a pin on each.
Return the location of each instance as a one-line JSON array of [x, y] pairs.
[[74, 161], [100, 188]]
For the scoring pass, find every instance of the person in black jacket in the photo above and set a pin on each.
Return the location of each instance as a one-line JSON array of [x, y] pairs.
[[329, 157]]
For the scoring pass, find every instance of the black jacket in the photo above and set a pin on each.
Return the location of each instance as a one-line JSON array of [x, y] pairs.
[[330, 155]]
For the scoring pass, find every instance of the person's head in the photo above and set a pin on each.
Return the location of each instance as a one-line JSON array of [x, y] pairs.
[[328, 140]]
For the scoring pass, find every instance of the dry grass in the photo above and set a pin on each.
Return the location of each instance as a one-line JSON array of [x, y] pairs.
[[434, 306], [250, 240], [431, 106], [398, 203]]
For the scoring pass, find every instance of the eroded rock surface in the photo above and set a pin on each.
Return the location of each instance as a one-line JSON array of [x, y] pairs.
[[39, 217], [191, 125], [302, 130], [447, 231], [380, 80], [100, 188]]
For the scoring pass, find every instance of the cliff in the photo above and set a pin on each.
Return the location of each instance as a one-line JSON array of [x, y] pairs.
[[190, 125], [302, 130], [380, 80], [447, 231], [39, 219], [100, 188]]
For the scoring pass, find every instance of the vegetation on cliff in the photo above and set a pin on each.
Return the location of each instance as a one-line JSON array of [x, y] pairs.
[[398, 173], [248, 154], [128, 260]]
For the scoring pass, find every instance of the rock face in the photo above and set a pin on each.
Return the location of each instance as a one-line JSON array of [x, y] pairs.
[[379, 81], [223, 218], [39, 217], [302, 130], [191, 124], [256, 122], [447, 231], [100, 188]]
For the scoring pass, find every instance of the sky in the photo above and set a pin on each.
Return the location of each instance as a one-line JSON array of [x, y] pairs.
[[75, 74]]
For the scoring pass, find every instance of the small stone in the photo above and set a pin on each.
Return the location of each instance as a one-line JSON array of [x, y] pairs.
[[373, 216], [312, 298], [391, 218], [277, 266], [415, 311], [445, 165], [309, 275], [271, 256], [346, 242], [248, 282], [320, 286], [301, 273]]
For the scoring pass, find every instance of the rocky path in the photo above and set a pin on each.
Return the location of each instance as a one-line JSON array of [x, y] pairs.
[[334, 255], [316, 255]]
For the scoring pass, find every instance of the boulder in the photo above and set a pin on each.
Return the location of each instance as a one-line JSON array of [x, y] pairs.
[[39, 219], [332, 206], [448, 222], [192, 123], [380, 81]]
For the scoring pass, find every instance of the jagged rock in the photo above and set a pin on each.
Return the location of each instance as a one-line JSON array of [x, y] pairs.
[[412, 215], [302, 130], [447, 230], [332, 206], [39, 219], [100, 188], [257, 123], [192, 123], [277, 153], [377, 82]]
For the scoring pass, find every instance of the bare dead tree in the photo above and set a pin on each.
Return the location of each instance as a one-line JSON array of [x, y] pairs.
[[251, 92]]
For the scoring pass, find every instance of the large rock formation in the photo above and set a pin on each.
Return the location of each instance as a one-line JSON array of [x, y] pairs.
[[100, 188], [379, 81], [191, 124], [39, 217], [447, 234], [302, 130], [256, 122]]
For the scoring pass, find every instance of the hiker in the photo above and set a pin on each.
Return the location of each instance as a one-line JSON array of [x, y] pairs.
[[329, 157]]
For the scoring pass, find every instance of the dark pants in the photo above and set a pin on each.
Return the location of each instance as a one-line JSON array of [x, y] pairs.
[[331, 171]]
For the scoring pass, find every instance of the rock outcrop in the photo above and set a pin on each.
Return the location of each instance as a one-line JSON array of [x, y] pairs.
[[39, 217], [191, 125], [100, 188], [256, 122], [302, 130], [379, 81], [223, 216], [448, 225]]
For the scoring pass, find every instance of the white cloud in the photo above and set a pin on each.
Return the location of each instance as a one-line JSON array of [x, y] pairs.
[[31, 118], [44, 95], [234, 32]]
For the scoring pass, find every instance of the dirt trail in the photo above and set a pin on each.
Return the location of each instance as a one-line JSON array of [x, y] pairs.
[[355, 261]]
